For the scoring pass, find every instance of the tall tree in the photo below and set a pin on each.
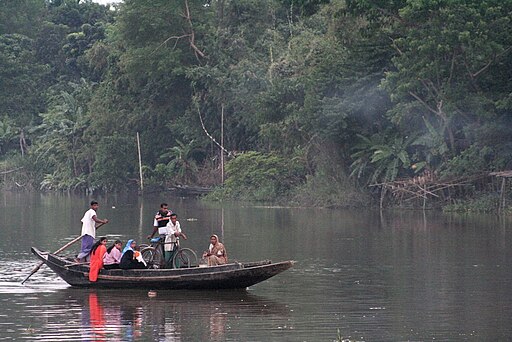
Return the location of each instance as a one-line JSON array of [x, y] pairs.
[[452, 65]]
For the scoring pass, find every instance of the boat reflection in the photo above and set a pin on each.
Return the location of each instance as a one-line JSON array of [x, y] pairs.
[[170, 316]]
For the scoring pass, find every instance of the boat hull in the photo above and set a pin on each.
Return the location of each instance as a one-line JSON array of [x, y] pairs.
[[229, 276]]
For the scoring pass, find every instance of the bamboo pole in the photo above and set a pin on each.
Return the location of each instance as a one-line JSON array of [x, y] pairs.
[[222, 144], [140, 164]]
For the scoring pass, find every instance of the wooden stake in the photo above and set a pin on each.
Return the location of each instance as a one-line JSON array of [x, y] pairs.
[[501, 205], [222, 144], [140, 164]]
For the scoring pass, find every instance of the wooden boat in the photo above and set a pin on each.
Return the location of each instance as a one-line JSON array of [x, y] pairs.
[[228, 276]]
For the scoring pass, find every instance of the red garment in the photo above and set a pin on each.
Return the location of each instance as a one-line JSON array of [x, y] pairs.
[[96, 262], [97, 318]]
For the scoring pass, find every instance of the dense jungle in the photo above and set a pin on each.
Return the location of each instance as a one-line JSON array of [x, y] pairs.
[[329, 103]]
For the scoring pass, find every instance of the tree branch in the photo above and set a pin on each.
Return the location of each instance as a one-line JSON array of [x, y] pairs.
[[420, 100], [10, 171], [191, 35], [452, 67], [172, 37], [473, 75], [393, 44]]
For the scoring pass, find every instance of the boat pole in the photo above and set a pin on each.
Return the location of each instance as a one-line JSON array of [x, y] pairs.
[[38, 266]]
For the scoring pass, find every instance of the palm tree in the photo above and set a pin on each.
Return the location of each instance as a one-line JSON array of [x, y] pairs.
[[181, 161]]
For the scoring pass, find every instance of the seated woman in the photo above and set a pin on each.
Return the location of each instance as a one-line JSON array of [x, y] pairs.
[[97, 252], [216, 253], [112, 258], [128, 258]]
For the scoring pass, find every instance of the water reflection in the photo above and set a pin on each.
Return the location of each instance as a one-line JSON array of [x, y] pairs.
[[109, 315], [99, 322], [376, 276]]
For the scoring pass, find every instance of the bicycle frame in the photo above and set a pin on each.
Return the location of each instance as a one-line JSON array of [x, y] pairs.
[[154, 255]]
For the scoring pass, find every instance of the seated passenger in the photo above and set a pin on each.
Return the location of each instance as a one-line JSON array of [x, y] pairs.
[[138, 256], [112, 258], [128, 258], [216, 253], [97, 252]]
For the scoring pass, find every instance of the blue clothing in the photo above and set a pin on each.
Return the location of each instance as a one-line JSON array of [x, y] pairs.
[[87, 243], [127, 247]]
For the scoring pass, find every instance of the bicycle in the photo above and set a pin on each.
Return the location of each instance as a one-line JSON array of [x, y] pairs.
[[183, 258]]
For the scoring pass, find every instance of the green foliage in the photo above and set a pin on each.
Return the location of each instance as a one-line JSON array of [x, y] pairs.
[[383, 159], [390, 88], [260, 177], [7, 134], [115, 164], [22, 79], [474, 160], [432, 147], [445, 62], [61, 152], [20, 177], [159, 176], [481, 203], [182, 166], [329, 187], [20, 16]]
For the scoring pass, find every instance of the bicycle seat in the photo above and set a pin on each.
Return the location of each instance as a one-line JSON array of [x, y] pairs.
[[155, 239]]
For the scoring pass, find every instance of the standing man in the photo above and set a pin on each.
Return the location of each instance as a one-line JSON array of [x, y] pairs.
[[162, 217], [172, 238], [89, 231]]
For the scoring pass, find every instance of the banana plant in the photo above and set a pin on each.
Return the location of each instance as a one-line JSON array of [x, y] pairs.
[[382, 159]]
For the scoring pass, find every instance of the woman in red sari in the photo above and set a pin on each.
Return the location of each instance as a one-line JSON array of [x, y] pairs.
[[97, 253]]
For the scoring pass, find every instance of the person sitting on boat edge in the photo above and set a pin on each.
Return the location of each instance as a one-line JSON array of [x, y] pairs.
[[97, 252], [112, 258], [128, 258], [161, 219], [216, 253], [89, 231], [172, 238]]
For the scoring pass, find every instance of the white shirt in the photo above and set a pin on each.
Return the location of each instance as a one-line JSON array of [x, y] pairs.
[[170, 238], [88, 224]]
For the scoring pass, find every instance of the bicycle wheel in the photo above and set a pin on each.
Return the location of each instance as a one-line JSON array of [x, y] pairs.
[[149, 254], [158, 258], [185, 257]]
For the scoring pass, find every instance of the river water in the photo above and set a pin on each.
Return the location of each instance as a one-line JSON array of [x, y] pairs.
[[361, 275]]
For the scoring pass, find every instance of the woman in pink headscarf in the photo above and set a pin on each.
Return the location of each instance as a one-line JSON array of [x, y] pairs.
[[216, 253]]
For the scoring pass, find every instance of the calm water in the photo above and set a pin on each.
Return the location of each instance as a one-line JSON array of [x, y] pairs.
[[392, 276]]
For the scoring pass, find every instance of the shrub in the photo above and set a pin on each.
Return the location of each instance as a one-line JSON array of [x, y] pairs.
[[256, 176]]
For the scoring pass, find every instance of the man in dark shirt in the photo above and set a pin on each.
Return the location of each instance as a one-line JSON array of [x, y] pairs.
[[162, 217]]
